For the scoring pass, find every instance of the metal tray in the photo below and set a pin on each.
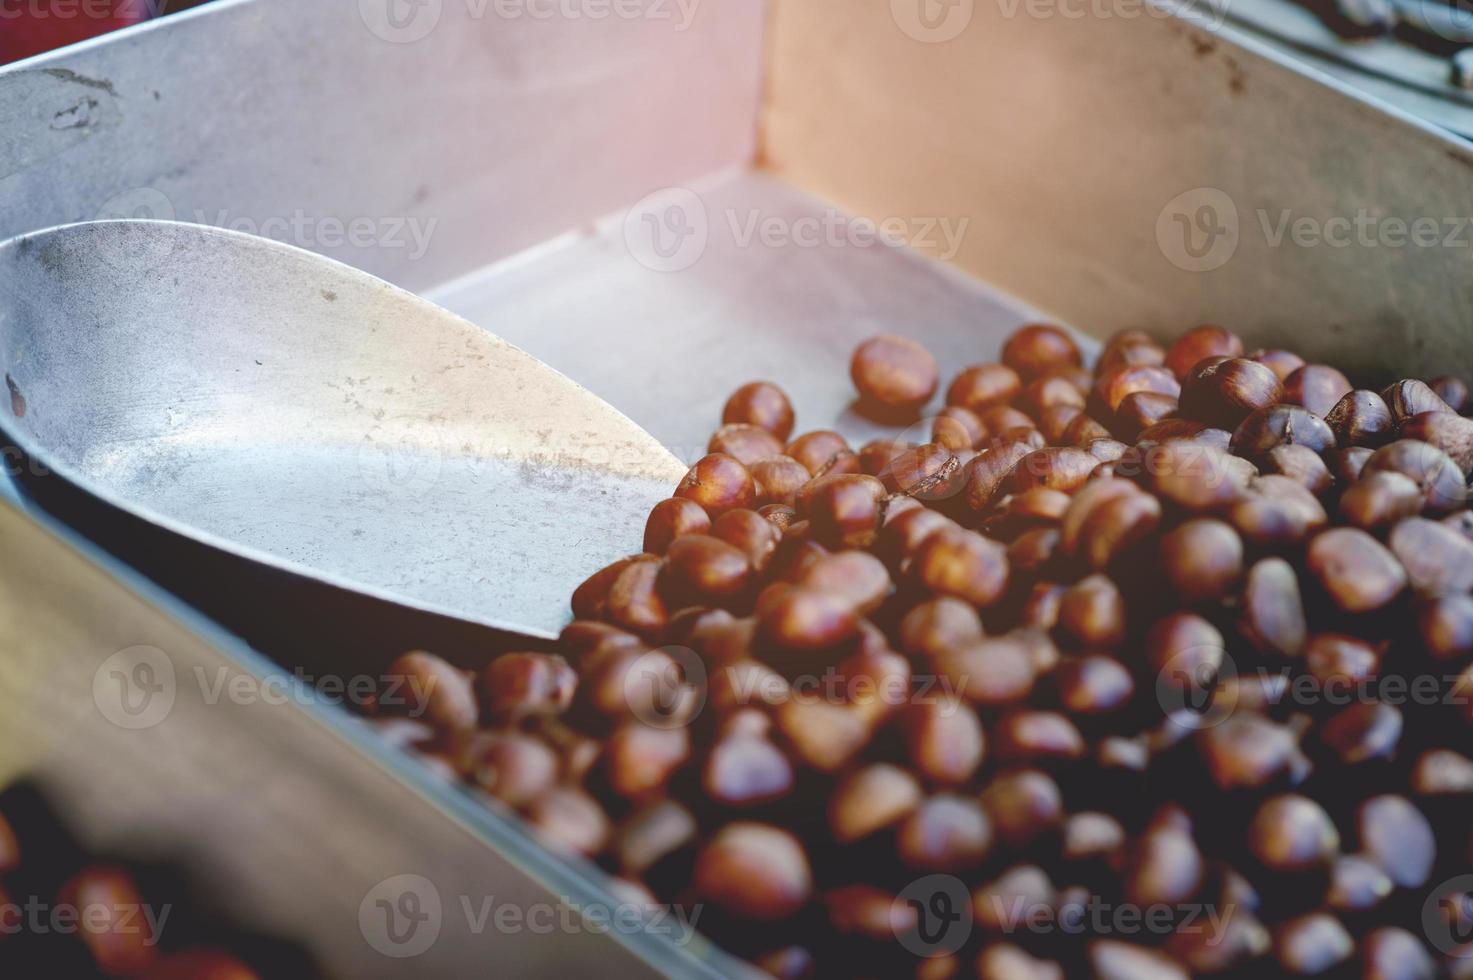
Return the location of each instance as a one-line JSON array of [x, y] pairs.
[[547, 151]]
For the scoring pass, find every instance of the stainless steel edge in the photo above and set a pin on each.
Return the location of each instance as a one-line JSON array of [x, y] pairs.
[[287, 812], [466, 133]]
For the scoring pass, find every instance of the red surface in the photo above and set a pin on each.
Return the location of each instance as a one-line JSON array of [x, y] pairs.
[[30, 27]]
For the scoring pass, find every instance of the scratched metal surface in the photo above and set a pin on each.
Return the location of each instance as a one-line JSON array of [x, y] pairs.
[[297, 412]]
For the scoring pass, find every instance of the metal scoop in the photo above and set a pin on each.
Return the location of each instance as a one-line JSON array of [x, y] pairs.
[[296, 412]]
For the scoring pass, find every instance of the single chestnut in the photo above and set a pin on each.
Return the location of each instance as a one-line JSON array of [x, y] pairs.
[[718, 483], [701, 568], [1409, 397], [1140, 410], [1281, 425], [432, 689], [984, 386], [945, 833], [1198, 343], [1292, 833], [1316, 387], [870, 800], [1280, 362], [817, 450], [518, 685], [799, 618], [944, 739], [1441, 480], [1202, 559], [745, 443], [1451, 389], [750, 532], [1223, 394], [893, 374], [671, 518], [1038, 348], [844, 511], [960, 563], [1361, 418], [569, 821], [1451, 433], [755, 871], [1047, 391], [761, 403], [956, 428]]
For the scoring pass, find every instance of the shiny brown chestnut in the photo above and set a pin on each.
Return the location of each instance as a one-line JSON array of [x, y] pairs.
[[1224, 393], [718, 483], [761, 403], [1281, 425], [984, 386], [1038, 348], [669, 519], [1361, 418], [1316, 387], [747, 444], [1198, 343], [818, 449], [893, 374]]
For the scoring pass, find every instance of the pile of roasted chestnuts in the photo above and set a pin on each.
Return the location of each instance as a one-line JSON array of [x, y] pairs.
[[1152, 670]]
